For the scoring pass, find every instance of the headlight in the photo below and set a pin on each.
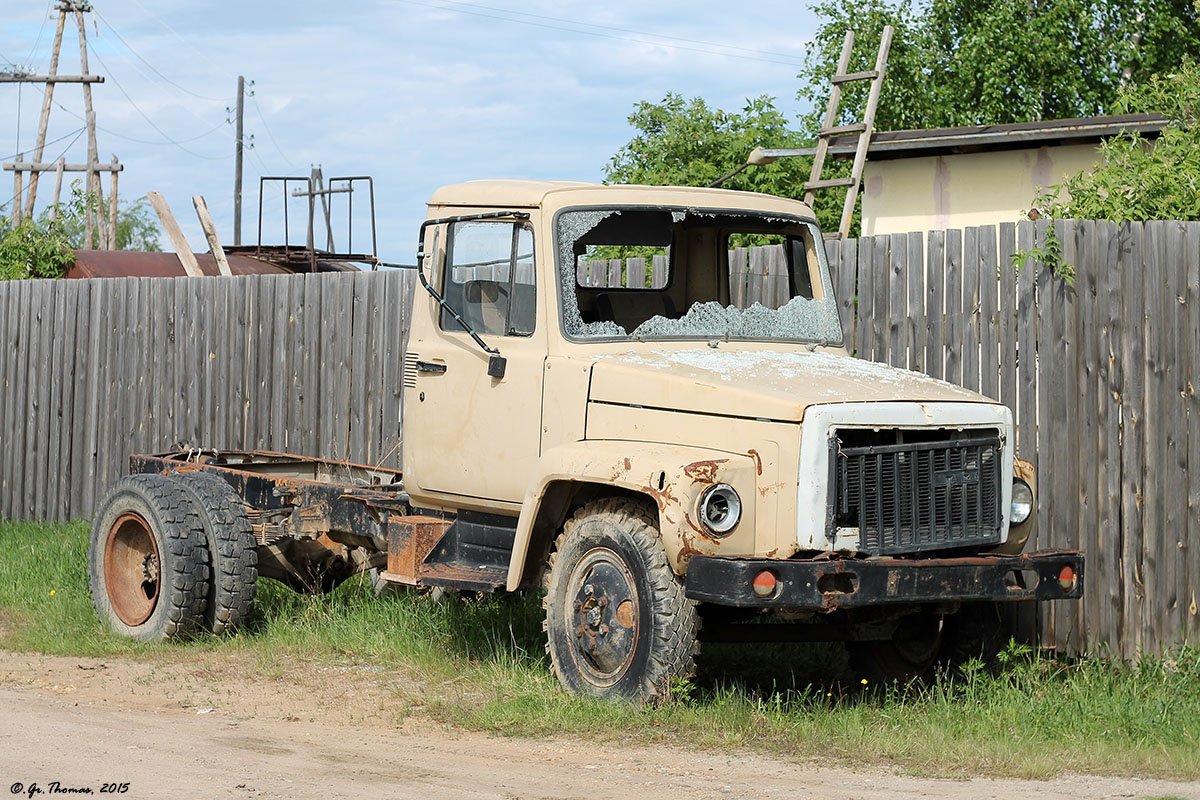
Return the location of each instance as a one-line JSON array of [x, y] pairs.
[[720, 509], [1022, 502]]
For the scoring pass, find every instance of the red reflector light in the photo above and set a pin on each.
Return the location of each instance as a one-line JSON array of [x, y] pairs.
[[765, 583], [1066, 578]]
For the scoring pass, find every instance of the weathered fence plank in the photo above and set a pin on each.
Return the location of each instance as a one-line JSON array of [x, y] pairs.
[[935, 313], [897, 300], [989, 314]]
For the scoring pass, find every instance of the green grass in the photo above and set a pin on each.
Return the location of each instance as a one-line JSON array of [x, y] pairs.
[[480, 663]]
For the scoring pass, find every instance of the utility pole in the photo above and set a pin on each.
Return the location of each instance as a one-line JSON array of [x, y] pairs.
[[237, 168], [94, 218]]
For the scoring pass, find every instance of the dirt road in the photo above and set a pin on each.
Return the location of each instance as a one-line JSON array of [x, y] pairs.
[[204, 729]]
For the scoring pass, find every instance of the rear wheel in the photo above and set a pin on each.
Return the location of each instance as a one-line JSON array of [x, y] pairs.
[[147, 561], [927, 644], [232, 551], [617, 622]]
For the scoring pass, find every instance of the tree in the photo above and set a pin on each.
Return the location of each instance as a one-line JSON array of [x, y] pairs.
[[987, 62], [45, 247], [1137, 180]]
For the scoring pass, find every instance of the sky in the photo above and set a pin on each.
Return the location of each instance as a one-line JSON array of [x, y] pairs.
[[415, 93]]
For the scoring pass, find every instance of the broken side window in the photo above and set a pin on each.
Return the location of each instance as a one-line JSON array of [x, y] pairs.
[[662, 273], [489, 278]]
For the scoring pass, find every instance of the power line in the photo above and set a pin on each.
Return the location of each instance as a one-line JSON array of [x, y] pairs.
[[41, 30], [52, 141], [183, 39], [111, 132], [747, 50], [148, 64], [601, 35], [71, 144], [270, 135], [137, 108]]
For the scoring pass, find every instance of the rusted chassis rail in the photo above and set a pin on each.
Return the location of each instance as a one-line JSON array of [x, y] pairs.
[[828, 585], [317, 522]]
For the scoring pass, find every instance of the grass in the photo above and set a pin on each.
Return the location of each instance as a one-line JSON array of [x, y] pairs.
[[480, 663]]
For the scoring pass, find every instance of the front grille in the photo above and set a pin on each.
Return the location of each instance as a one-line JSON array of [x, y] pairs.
[[939, 492]]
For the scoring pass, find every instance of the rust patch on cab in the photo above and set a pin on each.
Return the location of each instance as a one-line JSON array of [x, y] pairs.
[[703, 471], [757, 460]]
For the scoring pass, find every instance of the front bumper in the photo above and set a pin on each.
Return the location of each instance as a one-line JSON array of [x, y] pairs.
[[826, 585]]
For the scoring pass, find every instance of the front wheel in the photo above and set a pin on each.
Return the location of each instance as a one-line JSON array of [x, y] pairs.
[[618, 624], [926, 645]]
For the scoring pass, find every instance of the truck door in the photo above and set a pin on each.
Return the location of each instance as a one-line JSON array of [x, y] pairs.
[[465, 432]]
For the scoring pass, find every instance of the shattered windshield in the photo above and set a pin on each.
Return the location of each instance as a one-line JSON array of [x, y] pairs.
[[665, 273]]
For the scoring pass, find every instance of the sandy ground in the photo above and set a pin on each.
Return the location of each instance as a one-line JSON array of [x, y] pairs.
[[206, 729]]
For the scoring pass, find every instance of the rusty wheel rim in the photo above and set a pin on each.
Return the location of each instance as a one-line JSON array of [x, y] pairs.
[[604, 618], [132, 570]]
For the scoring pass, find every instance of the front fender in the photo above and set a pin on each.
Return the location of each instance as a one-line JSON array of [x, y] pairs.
[[673, 477]]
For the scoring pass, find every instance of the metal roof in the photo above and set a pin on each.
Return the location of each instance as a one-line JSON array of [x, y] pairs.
[[975, 138], [128, 263]]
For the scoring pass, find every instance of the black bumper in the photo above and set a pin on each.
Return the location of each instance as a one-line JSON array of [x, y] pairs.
[[826, 585]]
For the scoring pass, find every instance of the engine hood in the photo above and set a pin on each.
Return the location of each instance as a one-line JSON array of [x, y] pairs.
[[763, 384]]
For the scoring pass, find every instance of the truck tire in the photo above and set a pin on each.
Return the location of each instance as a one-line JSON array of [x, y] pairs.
[[147, 561], [618, 624], [926, 646], [232, 551]]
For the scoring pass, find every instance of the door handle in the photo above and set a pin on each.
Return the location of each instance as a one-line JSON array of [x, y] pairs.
[[429, 366]]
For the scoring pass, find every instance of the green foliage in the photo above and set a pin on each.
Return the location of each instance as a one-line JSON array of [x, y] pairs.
[[45, 247], [686, 143], [986, 62], [137, 227], [1138, 180], [681, 142]]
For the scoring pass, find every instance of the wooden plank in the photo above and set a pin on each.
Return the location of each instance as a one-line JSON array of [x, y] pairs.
[[1108, 445], [739, 264], [658, 272], [110, 383], [897, 300], [251, 369], [635, 273], [780, 282], [616, 269], [935, 304], [65, 370], [267, 372], [378, 350], [158, 355], [597, 272], [358, 325], [57, 375], [14, 502], [284, 383], [1027, 314], [970, 308], [989, 314], [1006, 315], [210, 233], [1047, 308], [216, 360], [182, 249], [915, 324], [1175, 419], [1192, 369], [755, 276], [329, 364], [198, 378], [1087, 533], [235, 401], [1154, 560], [953, 330], [72, 443], [1065, 432], [342, 361], [391, 319], [880, 307], [847, 289], [9, 355], [38, 393], [407, 304], [312, 379], [1133, 356], [97, 344], [866, 298]]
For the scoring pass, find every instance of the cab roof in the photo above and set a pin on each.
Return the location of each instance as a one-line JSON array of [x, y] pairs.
[[525, 193]]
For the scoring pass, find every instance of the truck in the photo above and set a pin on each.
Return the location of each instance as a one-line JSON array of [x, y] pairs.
[[665, 462]]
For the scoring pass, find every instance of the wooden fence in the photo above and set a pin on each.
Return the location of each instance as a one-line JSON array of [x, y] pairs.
[[92, 370], [1099, 373]]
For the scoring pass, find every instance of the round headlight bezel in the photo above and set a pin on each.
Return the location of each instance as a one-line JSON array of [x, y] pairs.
[[719, 509], [1021, 508]]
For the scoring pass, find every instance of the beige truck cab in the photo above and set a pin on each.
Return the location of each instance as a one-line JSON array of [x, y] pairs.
[[660, 457]]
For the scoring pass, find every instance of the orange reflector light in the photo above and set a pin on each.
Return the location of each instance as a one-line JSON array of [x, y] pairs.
[[1066, 578], [764, 583]]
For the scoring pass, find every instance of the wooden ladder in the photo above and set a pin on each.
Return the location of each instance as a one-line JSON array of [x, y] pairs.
[[863, 129]]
